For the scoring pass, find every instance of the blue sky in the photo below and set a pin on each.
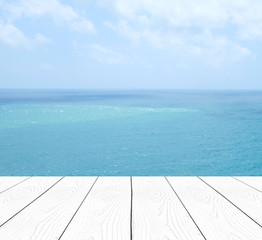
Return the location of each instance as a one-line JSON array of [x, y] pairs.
[[198, 44]]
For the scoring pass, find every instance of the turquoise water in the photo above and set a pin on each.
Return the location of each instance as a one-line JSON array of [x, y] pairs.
[[130, 132]]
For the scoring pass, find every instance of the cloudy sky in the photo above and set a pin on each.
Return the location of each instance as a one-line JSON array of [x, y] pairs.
[[196, 44]]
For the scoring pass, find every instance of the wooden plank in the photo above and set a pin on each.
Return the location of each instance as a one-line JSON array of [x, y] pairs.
[[48, 217], [15, 199], [255, 182], [8, 182], [158, 213], [244, 197], [216, 217], [105, 214]]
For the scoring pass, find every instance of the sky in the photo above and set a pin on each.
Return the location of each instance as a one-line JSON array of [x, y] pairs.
[[131, 44]]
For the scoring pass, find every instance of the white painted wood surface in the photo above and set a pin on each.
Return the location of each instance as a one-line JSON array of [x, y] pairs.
[[216, 217], [105, 214], [48, 216], [82, 208], [255, 182], [158, 213], [18, 197], [8, 182], [244, 197]]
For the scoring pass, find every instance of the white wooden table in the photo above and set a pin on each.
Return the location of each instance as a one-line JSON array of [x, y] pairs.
[[139, 208]]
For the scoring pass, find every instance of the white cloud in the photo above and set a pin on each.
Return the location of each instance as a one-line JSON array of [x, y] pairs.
[[12, 36], [62, 14], [196, 27], [104, 55], [213, 49], [97, 52], [155, 37], [41, 39], [193, 13]]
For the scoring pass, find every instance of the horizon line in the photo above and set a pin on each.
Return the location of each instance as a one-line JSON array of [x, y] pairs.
[[138, 89]]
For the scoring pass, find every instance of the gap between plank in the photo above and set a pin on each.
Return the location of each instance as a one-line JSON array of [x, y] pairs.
[[231, 202], [246, 184], [186, 209], [131, 210], [77, 209], [31, 202], [14, 185]]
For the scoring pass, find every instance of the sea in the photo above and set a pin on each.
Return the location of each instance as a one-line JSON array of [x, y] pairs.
[[130, 132]]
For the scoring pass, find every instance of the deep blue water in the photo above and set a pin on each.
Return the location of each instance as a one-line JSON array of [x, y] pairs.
[[130, 132]]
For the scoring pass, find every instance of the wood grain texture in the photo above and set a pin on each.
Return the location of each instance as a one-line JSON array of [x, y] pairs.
[[255, 182], [244, 197], [48, 217], [16, 198], [216, 217], [105, 213], [8, 182], [158, 213]]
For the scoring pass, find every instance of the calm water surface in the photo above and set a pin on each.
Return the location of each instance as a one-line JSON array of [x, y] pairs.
[[130, 132]]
